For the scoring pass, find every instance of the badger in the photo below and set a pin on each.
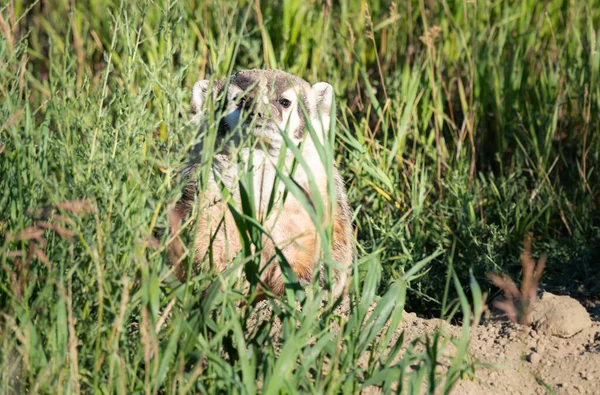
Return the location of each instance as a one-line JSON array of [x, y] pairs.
[[266, 106]]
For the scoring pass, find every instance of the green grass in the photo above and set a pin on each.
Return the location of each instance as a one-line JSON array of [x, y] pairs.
[[463, 127]]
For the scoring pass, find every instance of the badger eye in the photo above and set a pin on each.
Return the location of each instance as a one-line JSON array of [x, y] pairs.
[[285, 103], [241, 101]]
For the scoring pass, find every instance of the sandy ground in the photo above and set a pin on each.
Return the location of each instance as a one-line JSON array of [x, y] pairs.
[[525, 361], [514, 359]]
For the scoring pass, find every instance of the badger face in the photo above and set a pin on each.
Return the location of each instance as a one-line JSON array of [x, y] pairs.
[[265, 104]]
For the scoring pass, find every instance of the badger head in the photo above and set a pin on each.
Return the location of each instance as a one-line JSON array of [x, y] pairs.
[[265, 104]]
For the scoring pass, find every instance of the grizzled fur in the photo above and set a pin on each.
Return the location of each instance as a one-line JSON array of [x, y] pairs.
[[264, 104]]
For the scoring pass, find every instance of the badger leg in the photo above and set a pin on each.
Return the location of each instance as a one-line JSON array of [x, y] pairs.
[[216, 232], [343, 244], [295, 235], [175, 248], [343, 253], [217, 237], [303, 253], [300, 254]]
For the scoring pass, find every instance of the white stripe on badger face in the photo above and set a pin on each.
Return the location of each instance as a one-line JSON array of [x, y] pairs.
[[294, 114], [290, 117]]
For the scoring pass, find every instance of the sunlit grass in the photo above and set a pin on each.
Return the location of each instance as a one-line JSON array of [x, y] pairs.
[[463, 126]]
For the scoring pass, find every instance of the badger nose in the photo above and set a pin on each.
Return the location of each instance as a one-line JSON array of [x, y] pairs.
[[259, 112]]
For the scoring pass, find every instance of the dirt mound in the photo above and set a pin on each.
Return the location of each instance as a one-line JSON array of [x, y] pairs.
[[560, 316], [515, 359], [560, 353], [523, 360]]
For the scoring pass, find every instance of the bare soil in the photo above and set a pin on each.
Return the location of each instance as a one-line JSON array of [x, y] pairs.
[[521, 360], [513, 359]]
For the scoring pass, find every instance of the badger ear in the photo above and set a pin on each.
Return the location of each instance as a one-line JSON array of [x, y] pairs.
[[199, 92], [324, 95]]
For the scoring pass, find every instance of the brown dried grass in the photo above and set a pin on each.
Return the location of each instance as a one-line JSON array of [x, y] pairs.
[[520, 303]]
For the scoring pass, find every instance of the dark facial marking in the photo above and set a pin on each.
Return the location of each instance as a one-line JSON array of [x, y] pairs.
[[224, 128], [302, 102]]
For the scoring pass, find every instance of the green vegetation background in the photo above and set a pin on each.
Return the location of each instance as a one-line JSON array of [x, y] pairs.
[[463, 127]]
